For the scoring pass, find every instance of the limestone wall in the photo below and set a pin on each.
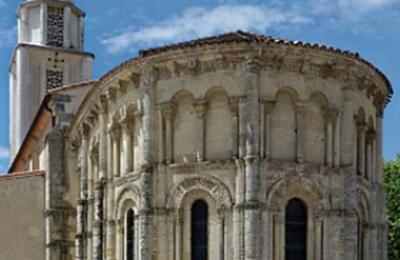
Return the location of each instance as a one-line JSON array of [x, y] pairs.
[[22, 217], [246, 133]]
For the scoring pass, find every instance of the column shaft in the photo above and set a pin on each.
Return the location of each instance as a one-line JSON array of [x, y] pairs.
[[127, 147], [337, 141], [233, 104], [200, 112], [300, 131], [329, 144]]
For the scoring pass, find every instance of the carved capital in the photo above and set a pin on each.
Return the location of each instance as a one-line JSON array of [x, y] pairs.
[[126, 117], [123, 86], [168, 111], [148, 76], [234, 105], [252, 65], [361, 126], [328, 70], [115, 131], [103, 104], [111, 94], [146, 167], [135, 78], [370, 134], [331, 114], [84, 131], [301, 107], [201, 108], [269, 105]]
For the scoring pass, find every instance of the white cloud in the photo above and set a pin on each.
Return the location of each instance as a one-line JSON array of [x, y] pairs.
[[364, 5], [199, 22], [3, 152]]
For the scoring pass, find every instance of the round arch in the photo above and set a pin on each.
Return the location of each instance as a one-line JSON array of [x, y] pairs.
[[295, 186], [211, 185]]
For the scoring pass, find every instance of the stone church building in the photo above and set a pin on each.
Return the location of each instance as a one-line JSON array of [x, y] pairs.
[[237, 146]]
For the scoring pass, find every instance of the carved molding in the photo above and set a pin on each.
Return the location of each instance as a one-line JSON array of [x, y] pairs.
[[211, 185]]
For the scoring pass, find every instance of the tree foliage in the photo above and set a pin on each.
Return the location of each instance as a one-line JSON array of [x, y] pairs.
[[391, 179]]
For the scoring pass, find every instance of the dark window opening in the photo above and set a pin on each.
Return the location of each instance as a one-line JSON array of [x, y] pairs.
[[296, 230], [199, 230], [130, 235]]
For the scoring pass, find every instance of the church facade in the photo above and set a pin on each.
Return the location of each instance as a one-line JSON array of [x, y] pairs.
[[236, 146]]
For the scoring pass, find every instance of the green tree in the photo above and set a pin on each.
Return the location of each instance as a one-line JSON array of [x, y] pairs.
[[391, 179]]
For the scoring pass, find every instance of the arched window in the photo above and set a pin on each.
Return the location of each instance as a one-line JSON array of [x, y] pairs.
[[296, 230], [130, 235], [199, 230], [360, 239]]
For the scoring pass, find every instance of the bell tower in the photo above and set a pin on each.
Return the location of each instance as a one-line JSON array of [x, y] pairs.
[[49, 54]]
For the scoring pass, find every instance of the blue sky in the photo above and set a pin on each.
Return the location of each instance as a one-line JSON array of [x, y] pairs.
[[116, 30]]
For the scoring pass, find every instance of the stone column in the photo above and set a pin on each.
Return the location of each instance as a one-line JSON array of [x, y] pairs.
[[161, 137], [115, 133], [147, 85], [43, 24], [103, 138], [98, 221], [337, 140], [234, 107], [93, 167], [109, 251], [242, 127], [300, 111], [82, 201], [370, 140], [251, 119], [169, 115], [201, 108], [262, 130], [330, 117], [269, 107], [127, 129], [100, 186], [347, 127], [361, 148], [378, 140], [347, 245]]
